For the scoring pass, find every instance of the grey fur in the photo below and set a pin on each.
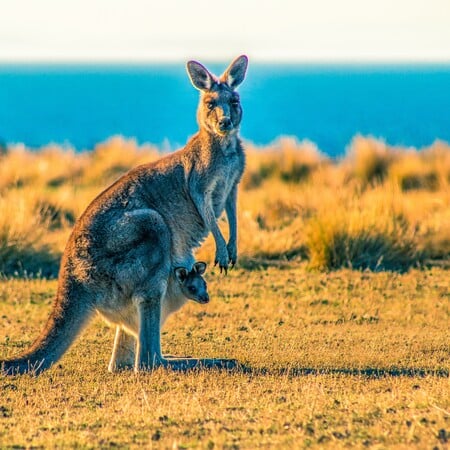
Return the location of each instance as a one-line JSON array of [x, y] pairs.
[[119, 257], [183, 285]]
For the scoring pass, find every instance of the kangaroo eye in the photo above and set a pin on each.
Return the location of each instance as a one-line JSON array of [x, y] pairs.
[[210, 105], [235, 102], [191, 289]]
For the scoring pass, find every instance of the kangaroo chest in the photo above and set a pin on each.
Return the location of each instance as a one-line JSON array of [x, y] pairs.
[[223, 182]]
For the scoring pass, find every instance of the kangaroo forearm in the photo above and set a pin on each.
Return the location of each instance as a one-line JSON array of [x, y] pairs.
[[217, 234], [230, 207], [232, 223], [211, 224], [209, 219]]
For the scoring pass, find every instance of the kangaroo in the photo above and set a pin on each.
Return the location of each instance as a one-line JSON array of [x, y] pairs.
[[123, 247], [183, 285]]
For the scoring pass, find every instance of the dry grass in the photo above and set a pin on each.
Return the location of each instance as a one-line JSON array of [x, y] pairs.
[[347, 359], [24, 249], [286, 159], [379, 207], [363, 234]]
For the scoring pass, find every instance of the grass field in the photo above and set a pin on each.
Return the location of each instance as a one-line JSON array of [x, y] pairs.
[[339, 310], [332, 360]]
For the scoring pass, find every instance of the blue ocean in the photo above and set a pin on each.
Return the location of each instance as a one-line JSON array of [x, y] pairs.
[[81, 105]]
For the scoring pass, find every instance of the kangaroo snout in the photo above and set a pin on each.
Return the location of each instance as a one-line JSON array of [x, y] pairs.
[[203, 299], [225, 124]]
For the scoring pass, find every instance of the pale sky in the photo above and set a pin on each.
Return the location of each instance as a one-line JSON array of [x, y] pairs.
[[169, 30]]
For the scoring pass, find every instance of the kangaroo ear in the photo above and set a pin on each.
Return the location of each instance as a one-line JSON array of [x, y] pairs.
[[199, 75], [235, 73], [200, 267], [181, 274]]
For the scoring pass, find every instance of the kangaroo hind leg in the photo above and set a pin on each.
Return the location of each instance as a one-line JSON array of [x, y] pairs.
[[123, 353], [148, 351], [148, 304]]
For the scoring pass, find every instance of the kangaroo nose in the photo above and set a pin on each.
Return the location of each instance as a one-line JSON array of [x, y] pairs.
[[225, 123]]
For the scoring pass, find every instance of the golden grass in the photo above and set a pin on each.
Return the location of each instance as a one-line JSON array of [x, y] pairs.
[[334, 359], [24, 249], [346, 359], [378, 207], [286, 159]]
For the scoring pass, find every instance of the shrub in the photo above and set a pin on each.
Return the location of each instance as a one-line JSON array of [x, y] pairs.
[[287, 159], [22, 234], [112, 158], [54, 216], [51, 166], [360, 240], [426, 169], [369, 159]]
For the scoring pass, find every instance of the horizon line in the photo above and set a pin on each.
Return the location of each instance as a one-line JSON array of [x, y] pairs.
[[255, 60]]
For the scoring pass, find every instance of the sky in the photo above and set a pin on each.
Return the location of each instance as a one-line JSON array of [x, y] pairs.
[[276, 30]]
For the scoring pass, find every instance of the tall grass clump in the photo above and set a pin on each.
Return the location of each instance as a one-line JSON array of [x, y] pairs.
[[23, 232], [50, 166], [286, 159], [368, 160], [361, 239], [112, 158], [426, 169]]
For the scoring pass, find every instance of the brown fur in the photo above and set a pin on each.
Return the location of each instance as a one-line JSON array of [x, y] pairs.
[[183, 285], [119, 257]]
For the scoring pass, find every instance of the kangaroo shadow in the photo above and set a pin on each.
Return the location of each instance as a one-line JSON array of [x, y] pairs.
[[368, 372], [234, 366]]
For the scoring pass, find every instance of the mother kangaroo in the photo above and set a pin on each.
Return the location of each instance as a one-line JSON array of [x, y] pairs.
[[119, 257]]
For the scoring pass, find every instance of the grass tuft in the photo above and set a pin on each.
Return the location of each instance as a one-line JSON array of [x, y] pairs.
[[361, 240], [369, 159], [286, 159], [23, 250]]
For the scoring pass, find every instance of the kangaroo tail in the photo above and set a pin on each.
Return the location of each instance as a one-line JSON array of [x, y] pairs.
[[71, 312]]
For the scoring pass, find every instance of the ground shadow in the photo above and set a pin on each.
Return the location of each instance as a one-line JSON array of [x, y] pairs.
[[369, 372]]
